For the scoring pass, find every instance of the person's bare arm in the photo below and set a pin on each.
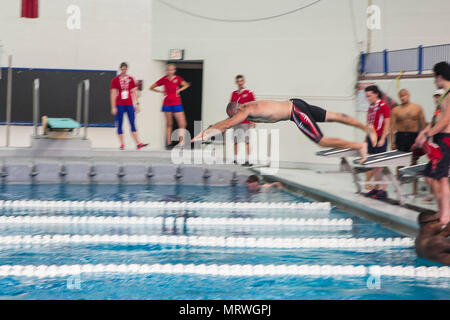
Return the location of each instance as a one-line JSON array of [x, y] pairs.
[[223, 125], [385, 133], [184, 86], [113, 95], [443, 122], [153, 88], [393, 129]]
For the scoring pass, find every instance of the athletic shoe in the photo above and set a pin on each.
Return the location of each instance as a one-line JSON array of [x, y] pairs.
[[371, 193], [141, 145], [381, 195], [247, 164], [122, 147]]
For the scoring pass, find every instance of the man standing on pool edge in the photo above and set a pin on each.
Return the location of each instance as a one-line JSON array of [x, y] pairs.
[[172, 106], [123, 93]]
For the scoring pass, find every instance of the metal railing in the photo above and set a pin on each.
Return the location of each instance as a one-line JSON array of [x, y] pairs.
[[418, 59], [83, 99]]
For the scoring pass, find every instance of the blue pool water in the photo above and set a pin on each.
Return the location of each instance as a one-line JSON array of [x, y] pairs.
[[162, 286]]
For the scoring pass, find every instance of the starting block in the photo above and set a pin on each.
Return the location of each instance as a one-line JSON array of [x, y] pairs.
[[384, 160], [340, 153], [59, 128]]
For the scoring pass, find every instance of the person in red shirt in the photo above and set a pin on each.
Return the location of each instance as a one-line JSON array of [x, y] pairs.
[[172, 106], [378, 118], [123, 93], [242, 95]]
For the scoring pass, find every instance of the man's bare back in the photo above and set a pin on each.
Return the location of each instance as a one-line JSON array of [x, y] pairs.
[[266, 111]]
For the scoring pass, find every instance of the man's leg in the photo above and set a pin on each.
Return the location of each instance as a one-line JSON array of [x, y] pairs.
[[444, 198], [346, 119], [344, 144]]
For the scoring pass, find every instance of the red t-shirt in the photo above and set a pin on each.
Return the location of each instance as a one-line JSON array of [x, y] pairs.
[[242, 97], [170, 88], [376, 115], [124, 85]]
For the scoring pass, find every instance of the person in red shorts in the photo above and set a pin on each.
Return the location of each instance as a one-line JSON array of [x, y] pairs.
[[172, 106], [377, 117], [123, 93], [242, 95]]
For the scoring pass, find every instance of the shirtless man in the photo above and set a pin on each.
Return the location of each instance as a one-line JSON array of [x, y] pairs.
[[254, 184], [304, 115], [439, 131], [433, 242], [407, 120]]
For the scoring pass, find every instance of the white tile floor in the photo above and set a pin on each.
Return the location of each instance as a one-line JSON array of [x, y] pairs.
[[339, 187]]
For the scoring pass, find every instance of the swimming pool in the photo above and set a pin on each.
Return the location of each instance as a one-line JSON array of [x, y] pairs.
[[177, 258]]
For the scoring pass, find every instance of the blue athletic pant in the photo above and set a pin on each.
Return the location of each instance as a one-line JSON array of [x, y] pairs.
[[129, 110]]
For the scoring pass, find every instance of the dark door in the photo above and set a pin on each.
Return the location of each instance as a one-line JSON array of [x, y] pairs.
[[191, 97]]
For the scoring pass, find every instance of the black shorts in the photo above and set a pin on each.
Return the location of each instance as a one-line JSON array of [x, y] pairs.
[[405, 140], [306, 117], [375, 149], [441, 170]]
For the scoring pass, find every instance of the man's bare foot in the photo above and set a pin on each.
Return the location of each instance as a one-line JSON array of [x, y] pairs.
[[363, 153], [369, 187], [372, 135], [428, 198]]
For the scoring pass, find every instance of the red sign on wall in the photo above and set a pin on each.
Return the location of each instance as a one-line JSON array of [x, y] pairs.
[[30, 8]]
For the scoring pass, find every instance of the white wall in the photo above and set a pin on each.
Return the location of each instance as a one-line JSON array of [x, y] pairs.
[[111, 31], [409, 23]]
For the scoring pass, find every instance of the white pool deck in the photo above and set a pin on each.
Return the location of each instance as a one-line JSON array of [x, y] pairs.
[[314, 179], [340, 189]]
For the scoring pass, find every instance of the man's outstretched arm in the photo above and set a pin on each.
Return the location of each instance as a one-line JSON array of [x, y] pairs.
[[223, 125]]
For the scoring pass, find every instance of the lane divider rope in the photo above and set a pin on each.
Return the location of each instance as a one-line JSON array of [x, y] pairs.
[[125, 205], [45, 271], [190, 221], [209, 241]]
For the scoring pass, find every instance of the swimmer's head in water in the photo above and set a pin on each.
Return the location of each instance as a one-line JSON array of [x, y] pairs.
[[427, 219], [441, 73], [252, 182], [171, 69], [232, 108]]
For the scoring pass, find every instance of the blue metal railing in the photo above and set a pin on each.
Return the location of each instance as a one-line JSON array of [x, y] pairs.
[[406, 60]]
